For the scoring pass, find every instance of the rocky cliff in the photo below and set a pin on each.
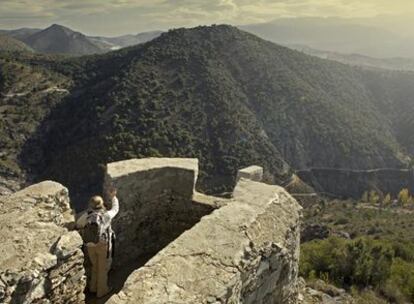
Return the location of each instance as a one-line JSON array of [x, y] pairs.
[[40, 259]]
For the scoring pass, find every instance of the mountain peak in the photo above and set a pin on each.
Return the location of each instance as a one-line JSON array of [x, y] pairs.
[[58, 27], [60, 39]]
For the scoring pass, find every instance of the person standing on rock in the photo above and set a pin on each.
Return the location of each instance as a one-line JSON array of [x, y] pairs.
[[97, 234]]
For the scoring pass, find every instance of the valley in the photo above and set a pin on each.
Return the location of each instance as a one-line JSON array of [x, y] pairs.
[[346, 183], [206, 152], [322, 107]]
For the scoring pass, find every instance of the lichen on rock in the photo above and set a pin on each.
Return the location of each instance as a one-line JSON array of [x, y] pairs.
[[40, 259]]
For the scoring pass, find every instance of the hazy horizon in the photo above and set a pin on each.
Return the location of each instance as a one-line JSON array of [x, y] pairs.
[[119, 17]]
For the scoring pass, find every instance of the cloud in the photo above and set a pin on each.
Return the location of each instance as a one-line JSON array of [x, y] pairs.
[[123, 16]]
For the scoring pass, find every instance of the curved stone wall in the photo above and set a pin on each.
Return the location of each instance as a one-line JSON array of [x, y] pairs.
[[205, 249], [156, 204], [244, 252]]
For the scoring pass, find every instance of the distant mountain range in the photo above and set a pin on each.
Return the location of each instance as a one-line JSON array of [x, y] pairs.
[[10, 44], [58, 39], [344, 40], [20, 34], [346, 36], [397, 63], [115, 43]]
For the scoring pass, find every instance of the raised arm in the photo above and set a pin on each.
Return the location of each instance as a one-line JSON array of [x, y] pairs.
[[115, 208], [115, 203]]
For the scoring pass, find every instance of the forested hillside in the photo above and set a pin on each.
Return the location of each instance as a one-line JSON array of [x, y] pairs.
[[12, 45], [27, 94], [393, 95], [222, 95]]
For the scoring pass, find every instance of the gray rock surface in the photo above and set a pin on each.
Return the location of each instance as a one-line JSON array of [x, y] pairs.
[[254, 173], [40, 259], [204, 249], [245, 252], [319, 292], [157, 204]]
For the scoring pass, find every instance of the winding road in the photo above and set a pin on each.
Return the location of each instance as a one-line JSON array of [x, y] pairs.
[[21, 94]]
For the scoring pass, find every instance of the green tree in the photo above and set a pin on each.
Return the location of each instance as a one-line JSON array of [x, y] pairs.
[[387, 200], [374, 197], [404, 197], [365, 197]]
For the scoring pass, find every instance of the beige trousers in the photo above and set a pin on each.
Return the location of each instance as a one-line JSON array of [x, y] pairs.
[[100, 266]]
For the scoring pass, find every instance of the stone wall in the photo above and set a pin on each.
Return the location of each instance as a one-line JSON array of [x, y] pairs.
[[41, 261], [254, 173], [204, 249], [353, 183], [156, 204], [244, 252]]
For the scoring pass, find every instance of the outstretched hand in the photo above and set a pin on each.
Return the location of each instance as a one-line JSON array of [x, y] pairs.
[[112, 192]]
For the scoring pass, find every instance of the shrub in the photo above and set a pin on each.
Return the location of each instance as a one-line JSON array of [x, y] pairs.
[[385, 265]]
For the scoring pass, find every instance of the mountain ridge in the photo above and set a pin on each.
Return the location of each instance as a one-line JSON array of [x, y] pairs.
[[396, 63], [226, 97], [13, 45], [118, 42], [335, 35], [20, 33], [59, 39]]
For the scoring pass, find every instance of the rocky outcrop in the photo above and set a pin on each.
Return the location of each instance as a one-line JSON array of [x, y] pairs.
[[244, 252], [8, 184], [320, 292], [40, 259]]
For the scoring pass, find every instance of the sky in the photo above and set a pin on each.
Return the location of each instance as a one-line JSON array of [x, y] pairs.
[[116, 17]]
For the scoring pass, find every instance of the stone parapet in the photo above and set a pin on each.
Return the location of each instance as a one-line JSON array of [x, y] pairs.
[[198, 248], [254, 173], [245, 252], [156, 204]]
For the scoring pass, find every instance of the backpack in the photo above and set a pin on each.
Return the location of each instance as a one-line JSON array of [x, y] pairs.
[[94, 230]]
